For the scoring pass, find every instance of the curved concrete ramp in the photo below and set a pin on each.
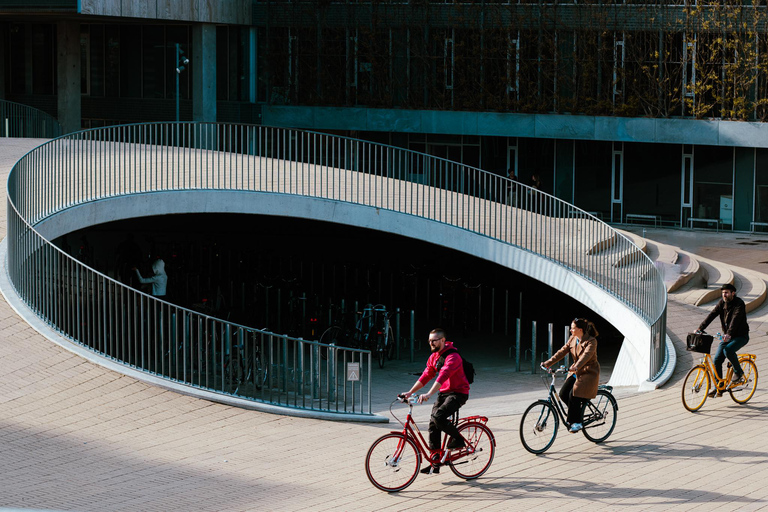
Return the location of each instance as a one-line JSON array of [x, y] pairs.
[[76, 436]]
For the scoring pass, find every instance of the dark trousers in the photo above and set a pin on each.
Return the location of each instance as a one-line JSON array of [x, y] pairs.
[[445, 406], [575, 404], [729, 350]]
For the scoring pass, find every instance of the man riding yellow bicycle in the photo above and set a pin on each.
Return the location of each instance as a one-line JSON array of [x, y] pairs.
[[733, 319]]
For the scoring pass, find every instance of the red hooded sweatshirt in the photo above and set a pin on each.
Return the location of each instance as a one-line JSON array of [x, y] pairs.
[[451, 377]]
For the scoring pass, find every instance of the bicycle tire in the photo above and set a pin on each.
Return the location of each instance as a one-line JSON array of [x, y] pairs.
[[473, 465], [391, 475], [599, 429], [538, 427], [380, 356], [391, 343], [334, 335], [742, 394], [696, 387]]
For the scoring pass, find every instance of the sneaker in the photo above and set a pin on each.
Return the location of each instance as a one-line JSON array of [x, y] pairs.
[[735, 381], [456, 444], [434, 470], [715, 394], [575, 428]]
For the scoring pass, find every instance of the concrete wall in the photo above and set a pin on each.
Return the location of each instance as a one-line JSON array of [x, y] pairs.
[[632, 368], [548, 126], [237, 12]]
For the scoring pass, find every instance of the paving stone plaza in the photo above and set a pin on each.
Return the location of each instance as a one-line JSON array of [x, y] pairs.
[[75, 436]]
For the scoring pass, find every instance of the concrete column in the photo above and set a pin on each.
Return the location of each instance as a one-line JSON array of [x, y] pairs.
[[3, 31], [204, 73], [743, 188], [68, 75], [564, 169], [29, 58], [253, 64]]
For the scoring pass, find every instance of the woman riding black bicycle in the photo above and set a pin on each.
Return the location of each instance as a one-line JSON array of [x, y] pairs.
[[584, 374]]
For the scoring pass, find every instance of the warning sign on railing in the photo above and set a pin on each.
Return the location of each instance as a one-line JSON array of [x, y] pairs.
[[353, 371]]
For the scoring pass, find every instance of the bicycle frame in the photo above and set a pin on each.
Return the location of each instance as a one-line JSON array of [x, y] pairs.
[[592, 419], [722, 384], [411, 431]]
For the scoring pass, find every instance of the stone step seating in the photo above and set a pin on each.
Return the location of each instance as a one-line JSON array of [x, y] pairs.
[[696, 280], [617, 252]]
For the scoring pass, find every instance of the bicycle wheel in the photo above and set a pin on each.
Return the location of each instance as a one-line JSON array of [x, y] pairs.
[[695, 388], [742, 393], [392, 463], [538, 426], [599, 418], [381, 351], [391, 342], [481, 440], [334, 335]]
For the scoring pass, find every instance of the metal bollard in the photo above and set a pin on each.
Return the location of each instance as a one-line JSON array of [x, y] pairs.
[[413, 331], [517, 345], [397, 333], [533, 347]]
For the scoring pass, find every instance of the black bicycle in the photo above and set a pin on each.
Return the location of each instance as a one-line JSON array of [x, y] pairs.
[[372, 331], [538, 427]]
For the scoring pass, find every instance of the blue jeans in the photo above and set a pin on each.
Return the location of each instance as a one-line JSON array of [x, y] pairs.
[[729, 350]]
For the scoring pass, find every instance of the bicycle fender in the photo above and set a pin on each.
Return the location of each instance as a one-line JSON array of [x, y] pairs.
[[476, 419], [490, 432]]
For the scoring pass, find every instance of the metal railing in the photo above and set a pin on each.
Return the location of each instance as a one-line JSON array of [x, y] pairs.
[[17, 120], [199, 350]]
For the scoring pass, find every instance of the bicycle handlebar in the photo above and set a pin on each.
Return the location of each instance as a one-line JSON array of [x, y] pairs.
[[557, 371], [719, 335], [411, 400]]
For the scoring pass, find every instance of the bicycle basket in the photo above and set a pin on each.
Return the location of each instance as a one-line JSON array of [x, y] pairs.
[[698, 343]]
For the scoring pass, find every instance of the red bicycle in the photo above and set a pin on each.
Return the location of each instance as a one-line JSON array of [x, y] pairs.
[[394, 460]]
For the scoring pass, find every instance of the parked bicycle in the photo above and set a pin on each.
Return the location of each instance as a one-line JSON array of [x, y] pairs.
[[702, 376], [539, 424], [394, 460], [372, 331], [377, 332]]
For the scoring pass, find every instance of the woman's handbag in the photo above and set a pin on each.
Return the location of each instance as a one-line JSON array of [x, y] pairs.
[[698, 342]]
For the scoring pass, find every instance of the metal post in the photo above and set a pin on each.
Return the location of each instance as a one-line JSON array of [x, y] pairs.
[[506, 313], [517, 345], [550, 339], [533, 347], [567, 335], [397, 333], [177, 82], [493, 308], [413, 331]]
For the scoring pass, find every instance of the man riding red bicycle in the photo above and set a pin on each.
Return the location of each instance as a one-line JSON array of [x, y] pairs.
[[453, 387]]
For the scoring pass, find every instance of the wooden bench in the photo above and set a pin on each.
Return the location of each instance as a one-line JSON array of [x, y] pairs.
[[716, 222], [640, 216], [763, 224]]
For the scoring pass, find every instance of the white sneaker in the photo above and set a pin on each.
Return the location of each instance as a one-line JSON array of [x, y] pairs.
[[576, 427]]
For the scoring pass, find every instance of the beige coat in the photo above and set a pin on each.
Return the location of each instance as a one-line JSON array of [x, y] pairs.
[[584, 353]]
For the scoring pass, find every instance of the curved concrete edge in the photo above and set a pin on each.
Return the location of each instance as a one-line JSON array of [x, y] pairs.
[[636, 353], [18, 305], [669, 369]]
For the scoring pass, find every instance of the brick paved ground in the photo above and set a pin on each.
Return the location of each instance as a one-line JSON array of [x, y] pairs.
[[75, 436]]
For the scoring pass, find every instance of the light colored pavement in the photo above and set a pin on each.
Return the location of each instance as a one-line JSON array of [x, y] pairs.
[[75, 436]]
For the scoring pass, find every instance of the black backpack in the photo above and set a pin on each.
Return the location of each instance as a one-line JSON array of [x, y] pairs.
[[469, 368]]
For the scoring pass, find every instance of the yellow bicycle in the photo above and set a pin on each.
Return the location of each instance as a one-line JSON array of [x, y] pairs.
[[702, 377]]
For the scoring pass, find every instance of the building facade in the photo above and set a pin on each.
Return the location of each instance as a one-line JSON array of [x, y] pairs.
[[635, 111]]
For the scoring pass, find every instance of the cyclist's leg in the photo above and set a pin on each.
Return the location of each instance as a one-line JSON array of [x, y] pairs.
[[730, 349], [567, 388], [450, 403], [575, 407], [718, 360]]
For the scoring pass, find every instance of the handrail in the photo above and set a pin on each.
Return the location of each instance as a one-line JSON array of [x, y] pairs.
[[107, 316], [17, 120]]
